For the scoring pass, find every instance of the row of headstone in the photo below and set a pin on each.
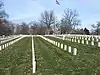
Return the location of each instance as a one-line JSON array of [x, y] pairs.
[[89, 38], [62, 46], [3, 46], [9, 39], [81, 40], [65, 47], [85, 42], [86, 38]]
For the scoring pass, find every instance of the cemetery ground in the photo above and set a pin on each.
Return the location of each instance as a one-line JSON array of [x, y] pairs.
[[86, 62], [16, 59]]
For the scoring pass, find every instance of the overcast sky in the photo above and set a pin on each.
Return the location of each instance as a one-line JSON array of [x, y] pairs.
[[29, 10]]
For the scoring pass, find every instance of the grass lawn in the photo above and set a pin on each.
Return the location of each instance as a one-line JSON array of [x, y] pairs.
[[54, 61], [50, 60], [16, 59], [86, 62]]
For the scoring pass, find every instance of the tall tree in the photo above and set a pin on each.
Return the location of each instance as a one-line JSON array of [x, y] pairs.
[[37, 28], [24, 28], [70, 20], [65, 28], [33, 27], [48, 18], [4, 28]]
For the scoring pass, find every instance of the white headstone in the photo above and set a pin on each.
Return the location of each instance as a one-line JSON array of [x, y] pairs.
[[78, 41], [92, 39], [89, 38], [54, 42], [65, 47], [58, 44], [82, 41], [75, 39], [75, 51], [80, 37], [72, 40], [92, 43], [86, 38], [98, 44], [63, 37], [61, 46], [0, 48], [69, 49], [3, 36], [83, 38], [97, 39], [87, 42], [7, 44], [3, 46], [47, 39]]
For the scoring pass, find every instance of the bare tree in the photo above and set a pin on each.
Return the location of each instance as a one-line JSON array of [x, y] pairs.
[[33, 27], [70, 20], [65, 28], [18, 29], [24, 28], [3, 14], [96, 27], [48, 18], [37, 28], [4, 27]]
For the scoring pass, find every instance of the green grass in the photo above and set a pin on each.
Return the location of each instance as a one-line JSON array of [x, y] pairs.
[[50, 60], [86, 62], [16, 59]]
